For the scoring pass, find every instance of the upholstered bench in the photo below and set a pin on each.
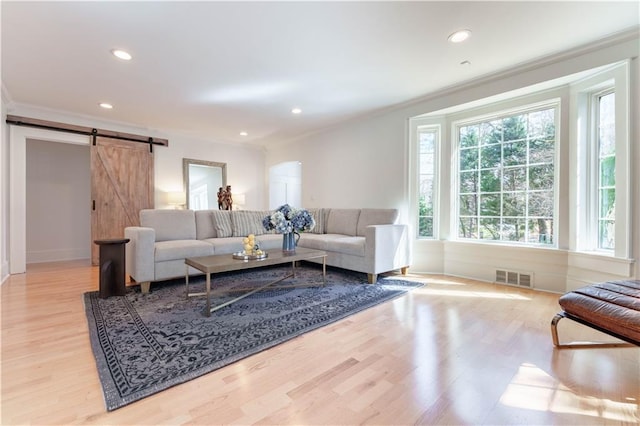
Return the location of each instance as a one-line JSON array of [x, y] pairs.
[[612, 307]]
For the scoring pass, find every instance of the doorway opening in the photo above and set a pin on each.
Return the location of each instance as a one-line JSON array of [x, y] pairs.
[[285, 184]]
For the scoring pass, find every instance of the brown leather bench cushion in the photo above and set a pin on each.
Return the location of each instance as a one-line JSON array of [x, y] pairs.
[[613, 306]]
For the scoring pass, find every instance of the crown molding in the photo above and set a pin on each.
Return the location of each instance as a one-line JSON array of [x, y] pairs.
[[632, 34]]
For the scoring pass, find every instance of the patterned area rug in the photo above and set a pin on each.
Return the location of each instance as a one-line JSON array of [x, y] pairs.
[[144, 344]]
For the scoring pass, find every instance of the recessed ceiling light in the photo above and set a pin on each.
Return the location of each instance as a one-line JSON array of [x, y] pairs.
[[459, 36], [296, 111], [119, 53], [106, 105], [244, 134]]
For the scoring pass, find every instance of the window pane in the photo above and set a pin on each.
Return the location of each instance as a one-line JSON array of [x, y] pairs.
[[468, 182], [426, 177], [490, 180], [541, 204], [515, 128], [427, 142], [490, 229], [468, 227], [606, 124], [490, 156], [515, 153], [607, 233], [469, 159], [491, 132], [541, 124], [606, 151], [427, 164], [426, 227], [514, 179], [541, 151], [540, 231], [490, 205], [513, 204], [513, 230], [511, 197], [607, 203], [469, 205], [608, 171], [469, 136], [541, 177]]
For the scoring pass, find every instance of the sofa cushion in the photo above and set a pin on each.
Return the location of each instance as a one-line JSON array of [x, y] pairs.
[[375, 217], [204, 225], [222, 223], [342, 221], [337, 243], [245, 222], [170, 224], [181, 249]]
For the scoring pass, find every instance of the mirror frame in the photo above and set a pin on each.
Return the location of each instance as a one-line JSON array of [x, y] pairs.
[[186, 162]]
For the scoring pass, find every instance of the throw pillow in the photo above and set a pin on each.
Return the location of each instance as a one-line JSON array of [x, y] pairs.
[[318, 216], [222, 223], [247, 222]]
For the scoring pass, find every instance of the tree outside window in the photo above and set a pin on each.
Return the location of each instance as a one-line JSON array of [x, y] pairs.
[[506, 178]]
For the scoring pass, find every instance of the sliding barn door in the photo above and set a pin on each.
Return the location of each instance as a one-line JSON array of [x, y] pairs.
[[121, 185]]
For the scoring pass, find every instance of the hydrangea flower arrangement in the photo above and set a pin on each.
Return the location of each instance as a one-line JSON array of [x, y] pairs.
[[288, 219]]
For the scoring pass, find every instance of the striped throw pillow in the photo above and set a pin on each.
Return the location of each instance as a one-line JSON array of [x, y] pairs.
[[247, 222], [222, 223]]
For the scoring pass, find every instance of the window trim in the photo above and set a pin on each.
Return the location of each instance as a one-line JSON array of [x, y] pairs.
[[583, 172]]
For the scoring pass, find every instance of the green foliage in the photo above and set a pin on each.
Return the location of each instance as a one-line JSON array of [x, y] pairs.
[[425, 217]]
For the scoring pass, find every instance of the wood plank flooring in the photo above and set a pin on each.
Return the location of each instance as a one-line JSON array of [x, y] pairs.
[[454, 352]]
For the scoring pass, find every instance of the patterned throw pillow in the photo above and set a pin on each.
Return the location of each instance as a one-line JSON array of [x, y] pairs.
[[222, 223]]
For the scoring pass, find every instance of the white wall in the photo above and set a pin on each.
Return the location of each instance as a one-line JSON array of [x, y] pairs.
[[58, 194], [4, 190], [364, 163], [360, 164]]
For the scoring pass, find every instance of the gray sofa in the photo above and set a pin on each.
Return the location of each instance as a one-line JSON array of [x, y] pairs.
[[363, 240]]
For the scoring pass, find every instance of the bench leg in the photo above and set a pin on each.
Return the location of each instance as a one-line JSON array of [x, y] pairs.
[[579, 345]]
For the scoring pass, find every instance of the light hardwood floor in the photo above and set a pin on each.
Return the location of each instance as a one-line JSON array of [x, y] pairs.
[[454, 352]]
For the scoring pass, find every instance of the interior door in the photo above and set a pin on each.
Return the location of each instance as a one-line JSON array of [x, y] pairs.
[[121, 185]]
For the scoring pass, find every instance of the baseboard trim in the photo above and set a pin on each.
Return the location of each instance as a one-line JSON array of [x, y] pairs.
[[44, 256]]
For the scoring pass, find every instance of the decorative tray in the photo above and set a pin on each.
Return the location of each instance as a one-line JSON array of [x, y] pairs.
[[241, 256]]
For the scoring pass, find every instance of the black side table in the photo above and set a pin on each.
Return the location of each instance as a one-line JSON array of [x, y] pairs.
[[112, 267]]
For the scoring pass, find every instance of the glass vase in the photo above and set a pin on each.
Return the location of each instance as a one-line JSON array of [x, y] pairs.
[[289, 242]]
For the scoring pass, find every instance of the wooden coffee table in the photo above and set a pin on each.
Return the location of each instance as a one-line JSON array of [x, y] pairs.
[[226, 263]]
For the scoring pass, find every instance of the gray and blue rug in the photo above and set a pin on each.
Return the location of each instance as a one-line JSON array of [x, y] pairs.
[[144, 344]]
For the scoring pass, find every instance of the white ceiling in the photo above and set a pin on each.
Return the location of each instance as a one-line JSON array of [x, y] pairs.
[[213, 69]]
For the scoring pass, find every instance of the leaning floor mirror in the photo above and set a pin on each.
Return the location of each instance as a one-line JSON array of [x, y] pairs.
[[202, 180]]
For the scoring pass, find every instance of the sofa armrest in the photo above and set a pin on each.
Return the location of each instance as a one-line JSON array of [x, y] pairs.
[[140, 253], [387, 246]]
